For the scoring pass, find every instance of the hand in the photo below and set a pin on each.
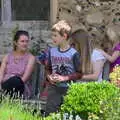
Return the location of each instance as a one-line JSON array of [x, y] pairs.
[[59, 78], [50, 79]]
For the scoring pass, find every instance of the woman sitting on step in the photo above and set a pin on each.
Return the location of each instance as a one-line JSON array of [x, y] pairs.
[[17, 66]]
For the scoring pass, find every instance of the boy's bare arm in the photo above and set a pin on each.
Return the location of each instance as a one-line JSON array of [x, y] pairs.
[[75, 76]]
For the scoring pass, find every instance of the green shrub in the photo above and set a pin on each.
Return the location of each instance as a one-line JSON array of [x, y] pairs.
[[85, 98], [110, 110]]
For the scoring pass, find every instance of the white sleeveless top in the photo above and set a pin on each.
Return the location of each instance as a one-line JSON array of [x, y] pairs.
[[97, 55]]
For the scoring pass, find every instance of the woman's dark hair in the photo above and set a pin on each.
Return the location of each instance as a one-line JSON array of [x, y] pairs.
[[17, 36]]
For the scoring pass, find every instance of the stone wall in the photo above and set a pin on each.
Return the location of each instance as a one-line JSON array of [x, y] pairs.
[[84, 14], [38, 30], [87, 13]]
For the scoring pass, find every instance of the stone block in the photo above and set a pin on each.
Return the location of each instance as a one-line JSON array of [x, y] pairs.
[[95, 18]]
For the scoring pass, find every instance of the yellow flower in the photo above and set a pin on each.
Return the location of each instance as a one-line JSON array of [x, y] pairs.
[[115, 75]]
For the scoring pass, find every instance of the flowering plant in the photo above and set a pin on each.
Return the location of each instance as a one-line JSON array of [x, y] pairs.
[[115, 75]]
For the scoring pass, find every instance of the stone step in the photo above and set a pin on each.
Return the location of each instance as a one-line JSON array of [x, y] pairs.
[[26, 25]]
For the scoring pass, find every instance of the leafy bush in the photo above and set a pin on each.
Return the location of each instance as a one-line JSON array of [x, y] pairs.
[[110, 110], [83, 99]]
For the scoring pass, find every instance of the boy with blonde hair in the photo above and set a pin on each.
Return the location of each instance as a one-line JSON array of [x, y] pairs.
[[63, 66]]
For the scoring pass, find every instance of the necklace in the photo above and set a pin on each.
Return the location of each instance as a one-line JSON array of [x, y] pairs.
[[17, 60]]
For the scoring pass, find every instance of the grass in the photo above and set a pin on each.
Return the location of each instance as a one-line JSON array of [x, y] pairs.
[[14, 110]]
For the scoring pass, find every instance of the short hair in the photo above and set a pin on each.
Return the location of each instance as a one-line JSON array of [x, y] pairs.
[[62, 27]]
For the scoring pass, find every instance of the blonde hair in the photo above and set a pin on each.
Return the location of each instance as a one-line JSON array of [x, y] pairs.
[[62, 27], [83, 45], [97, 37], [113, 34]]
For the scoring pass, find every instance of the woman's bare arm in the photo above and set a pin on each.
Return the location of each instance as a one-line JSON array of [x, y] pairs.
[[3, 67], [112, 57], [97, 69], [29, 68]]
